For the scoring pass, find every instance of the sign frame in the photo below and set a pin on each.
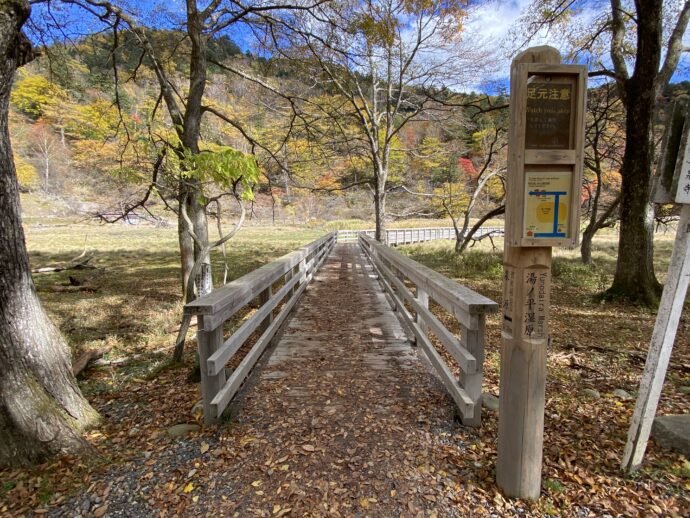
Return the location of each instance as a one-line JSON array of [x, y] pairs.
[[524, 161]]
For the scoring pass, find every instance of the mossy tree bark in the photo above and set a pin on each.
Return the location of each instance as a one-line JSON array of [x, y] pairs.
[[42, 411]]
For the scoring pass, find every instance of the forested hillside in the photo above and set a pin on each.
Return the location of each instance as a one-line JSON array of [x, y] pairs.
[[87, 137]]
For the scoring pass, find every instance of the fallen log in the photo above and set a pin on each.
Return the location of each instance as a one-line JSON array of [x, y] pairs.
[[127, 359], [87, 357], [81, 265]]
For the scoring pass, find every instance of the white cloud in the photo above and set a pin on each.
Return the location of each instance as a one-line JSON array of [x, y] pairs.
[[489, 26]]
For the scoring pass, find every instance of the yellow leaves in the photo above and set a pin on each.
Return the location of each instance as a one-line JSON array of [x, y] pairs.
[[224, 165], [97, 120], [204, 447], [495, 187], [279, 511], [257, 483], [379, 29], [188, 488], [26, 173], [35, 95], [365, 502], [247, 439]]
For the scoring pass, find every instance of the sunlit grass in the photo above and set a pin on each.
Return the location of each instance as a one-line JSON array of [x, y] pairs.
[[136, 305]]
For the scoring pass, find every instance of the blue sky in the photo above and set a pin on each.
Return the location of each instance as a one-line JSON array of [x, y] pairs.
[[488, 26]]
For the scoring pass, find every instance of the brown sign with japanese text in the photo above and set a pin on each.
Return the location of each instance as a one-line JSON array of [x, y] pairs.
[[549, 109]]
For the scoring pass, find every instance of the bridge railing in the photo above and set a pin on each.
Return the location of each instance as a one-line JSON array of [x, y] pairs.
[[289, 275], [353, 235], [407, 236], [468, 307]]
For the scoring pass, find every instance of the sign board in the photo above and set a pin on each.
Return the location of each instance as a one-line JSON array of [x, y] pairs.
[[672, 185], [546, 154], [547, 204], [548, 115]]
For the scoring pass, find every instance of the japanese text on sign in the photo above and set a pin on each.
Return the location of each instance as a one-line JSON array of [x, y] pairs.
[[508, 294], [548, 116], [536, 302]]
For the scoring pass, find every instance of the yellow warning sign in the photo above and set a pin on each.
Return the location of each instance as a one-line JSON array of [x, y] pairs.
[[547, 199]]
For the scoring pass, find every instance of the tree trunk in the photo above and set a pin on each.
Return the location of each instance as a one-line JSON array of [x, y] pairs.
[[586, 245], [42, 411], [189, 250], [46, 167], [596, 223], [204, 281], [380, 210], [380, 207], [190, 139], [588, 233], [634, 278], [186, 248], [461, 246]]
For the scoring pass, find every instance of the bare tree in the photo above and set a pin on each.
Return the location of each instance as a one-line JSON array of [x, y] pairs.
[[385, 60], [605, 141], [44, 148], [458, 197]]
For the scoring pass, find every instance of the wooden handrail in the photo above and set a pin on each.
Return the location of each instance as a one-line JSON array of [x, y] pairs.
[[406, 236], [225, 301], [468, 307], [294, 270]]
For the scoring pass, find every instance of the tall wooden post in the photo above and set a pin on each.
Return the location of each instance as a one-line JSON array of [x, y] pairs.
[[542, 210], [672, 186]]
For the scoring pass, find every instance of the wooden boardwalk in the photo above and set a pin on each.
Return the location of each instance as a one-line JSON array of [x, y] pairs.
[[345, 417], [344, 326]]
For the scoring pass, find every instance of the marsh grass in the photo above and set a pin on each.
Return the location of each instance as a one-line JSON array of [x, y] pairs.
[[137, 305]]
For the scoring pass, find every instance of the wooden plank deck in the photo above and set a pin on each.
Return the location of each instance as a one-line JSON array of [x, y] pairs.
[[344, 409]]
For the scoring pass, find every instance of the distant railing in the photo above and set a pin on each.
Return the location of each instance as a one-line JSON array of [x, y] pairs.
[[407, 236], [289, 275], [468, 307]]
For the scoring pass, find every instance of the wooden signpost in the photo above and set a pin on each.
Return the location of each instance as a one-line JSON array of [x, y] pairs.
[[547, 105], [672, 186]]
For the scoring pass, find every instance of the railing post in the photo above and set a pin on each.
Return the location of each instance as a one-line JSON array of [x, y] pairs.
[[209, 342], [423, 299], [264, 297], [287, 277], [473, 340]]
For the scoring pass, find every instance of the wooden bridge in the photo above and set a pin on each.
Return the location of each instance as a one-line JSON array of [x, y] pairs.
[[366, 316], [408, 236]]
